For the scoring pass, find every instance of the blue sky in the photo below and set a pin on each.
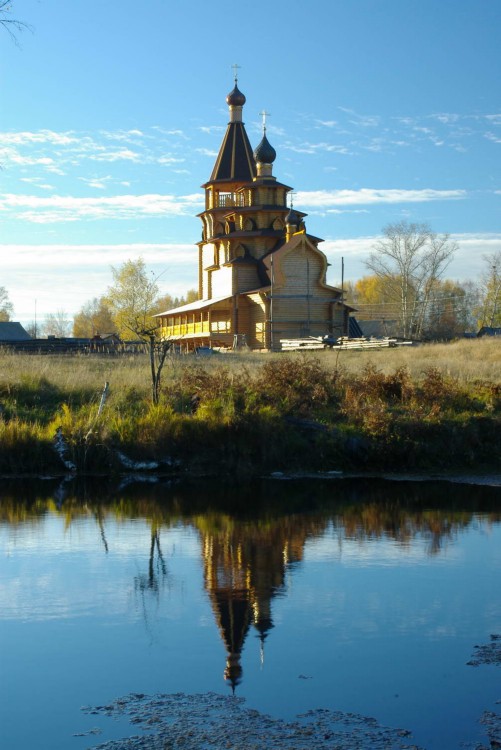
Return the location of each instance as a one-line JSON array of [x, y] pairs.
[[111, 115]]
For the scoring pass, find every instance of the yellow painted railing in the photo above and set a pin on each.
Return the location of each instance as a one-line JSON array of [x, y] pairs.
[[184, 329]]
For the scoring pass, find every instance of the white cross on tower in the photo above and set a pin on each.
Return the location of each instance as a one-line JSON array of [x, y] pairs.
[[264, 115], [235, 70]]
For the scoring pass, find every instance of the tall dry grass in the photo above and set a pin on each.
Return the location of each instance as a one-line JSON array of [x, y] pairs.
[[466, 361], [250, 410]]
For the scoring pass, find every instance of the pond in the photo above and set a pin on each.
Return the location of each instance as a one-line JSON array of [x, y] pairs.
[[204, 614]]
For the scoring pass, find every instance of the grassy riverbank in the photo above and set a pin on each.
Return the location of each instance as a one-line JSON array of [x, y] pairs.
[[433, 407]]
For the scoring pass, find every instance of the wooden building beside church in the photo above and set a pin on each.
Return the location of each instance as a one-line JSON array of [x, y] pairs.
[[261, 276]]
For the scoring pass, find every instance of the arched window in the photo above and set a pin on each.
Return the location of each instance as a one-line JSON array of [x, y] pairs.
[[249, 225], [277, 224]]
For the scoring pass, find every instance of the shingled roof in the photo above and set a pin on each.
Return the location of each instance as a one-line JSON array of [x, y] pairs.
[[235, 161]]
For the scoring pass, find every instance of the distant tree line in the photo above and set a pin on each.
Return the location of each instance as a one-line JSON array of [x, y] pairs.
[[406, 288]]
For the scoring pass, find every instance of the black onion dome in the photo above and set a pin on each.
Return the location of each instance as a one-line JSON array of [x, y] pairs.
[[235, 98], [293, 218], [265, 153]]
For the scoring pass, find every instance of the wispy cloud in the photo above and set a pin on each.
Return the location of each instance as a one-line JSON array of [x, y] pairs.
[[365, 121], [40, 136], [206, 152], [493, 137], [327, 123], [100, 183], [123, 154], [44, 276], [368, 196], [37, 182], [313, 148], [467, 263], [167, 159], [95, 255], [57, 208], [211, 129]]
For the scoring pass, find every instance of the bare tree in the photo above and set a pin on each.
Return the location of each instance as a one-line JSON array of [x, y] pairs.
[[11, 25], [57, 324], [409, 260]]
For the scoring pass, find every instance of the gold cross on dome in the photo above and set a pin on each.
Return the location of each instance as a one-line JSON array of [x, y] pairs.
[[235, 70]]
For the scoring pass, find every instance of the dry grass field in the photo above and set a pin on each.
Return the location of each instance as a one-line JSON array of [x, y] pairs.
[[466, 361], [252, 412]]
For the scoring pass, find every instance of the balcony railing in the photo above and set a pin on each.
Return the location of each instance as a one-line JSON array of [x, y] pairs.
[[183, 329], [227, 200]]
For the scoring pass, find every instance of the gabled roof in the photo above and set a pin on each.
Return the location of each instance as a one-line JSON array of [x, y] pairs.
[[489, 331], [13, 332], [235, 161]]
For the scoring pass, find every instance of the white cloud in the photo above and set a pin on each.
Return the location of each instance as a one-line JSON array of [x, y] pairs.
[[327, 123], [169, 160], [364, 196], [37, 182], [123, 135], [11, 156], [206, 152], [178, 133], [96, 182], [313, 148], [40, 136], [363, 120], [494, 119], [123, 154], [446, 118], [211, 129], [467, 264], [492, 137], [57, 208], [94, 255], [65, 276]]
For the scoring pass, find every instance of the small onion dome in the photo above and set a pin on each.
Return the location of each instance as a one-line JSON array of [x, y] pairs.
[[265, 153], [293, 218], [235, 98]]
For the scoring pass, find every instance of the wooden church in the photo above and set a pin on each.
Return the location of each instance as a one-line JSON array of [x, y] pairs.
[[261, 277]]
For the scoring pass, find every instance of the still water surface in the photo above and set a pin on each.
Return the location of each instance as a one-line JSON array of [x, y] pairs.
[[358, 596]]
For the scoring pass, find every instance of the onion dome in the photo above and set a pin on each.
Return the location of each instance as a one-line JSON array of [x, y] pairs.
[[293, 218], [235, 98], [265, 153]]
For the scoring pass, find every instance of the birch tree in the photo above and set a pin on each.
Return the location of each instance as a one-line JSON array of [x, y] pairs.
[[6, 308], [489, 312], [132, 301], [409, 259]]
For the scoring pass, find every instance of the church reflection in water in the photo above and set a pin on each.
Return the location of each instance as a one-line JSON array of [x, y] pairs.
[[245, 558], [245, 567]]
